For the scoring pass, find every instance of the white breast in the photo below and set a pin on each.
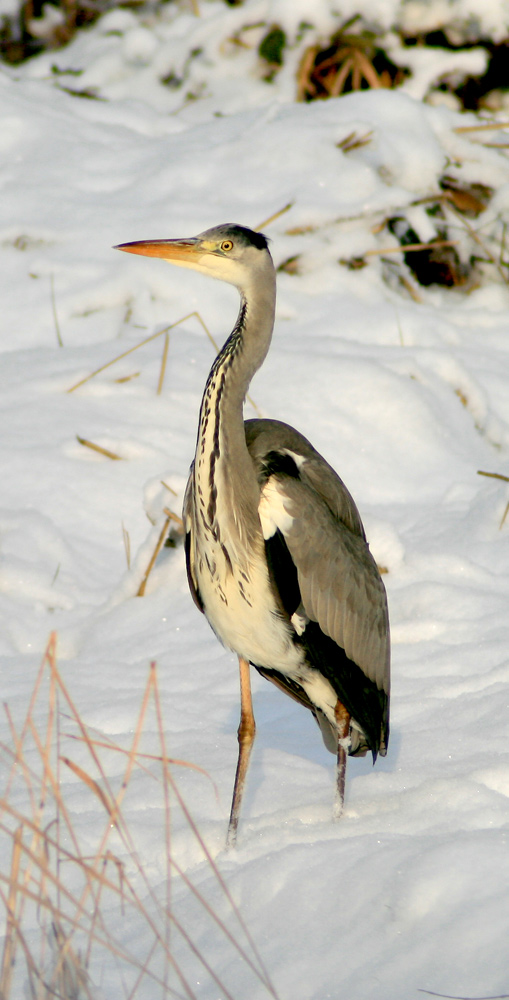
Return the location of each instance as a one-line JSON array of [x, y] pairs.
[[272, 509]]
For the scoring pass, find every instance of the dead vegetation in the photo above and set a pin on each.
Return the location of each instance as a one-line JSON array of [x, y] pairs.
[[34, 29], [466, 244], [357, 55], [80, 901], [505, 479], [350, 60]]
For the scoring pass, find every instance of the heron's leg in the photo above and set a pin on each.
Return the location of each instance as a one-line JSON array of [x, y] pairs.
[[246, 735], [343, 723]]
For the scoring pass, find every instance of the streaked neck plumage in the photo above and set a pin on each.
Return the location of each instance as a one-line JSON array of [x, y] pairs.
[[223, 471]]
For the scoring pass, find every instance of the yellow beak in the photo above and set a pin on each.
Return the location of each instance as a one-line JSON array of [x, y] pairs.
[[185, 250]]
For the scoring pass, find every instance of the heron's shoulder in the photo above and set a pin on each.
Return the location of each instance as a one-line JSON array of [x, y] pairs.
[[279, 450], [263, 436]]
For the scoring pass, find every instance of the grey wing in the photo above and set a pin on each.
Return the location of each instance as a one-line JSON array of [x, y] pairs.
[[188, 518], [339, 581], [304, 500]]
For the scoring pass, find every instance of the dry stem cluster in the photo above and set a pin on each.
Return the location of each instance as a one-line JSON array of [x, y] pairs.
[[75, 899]]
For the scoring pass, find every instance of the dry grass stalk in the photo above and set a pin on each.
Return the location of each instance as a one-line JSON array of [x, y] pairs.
[[505, 479], [300, 230], [106, 744], [305, 70], [11, 937], [175, 517], [481, 127], [493, 475], [216, 348], [411, 247], [354, 141], [80, 904], [127, 378], [345, 63], [290, 265], [410, 288], [449, 996], [164, 359], [169, 488], [158, 546], [124, 354], [54, 311], [477, 239], [87, 780], [99, 448], [147, 340], [127, 545], [469, 199], [276, 215]]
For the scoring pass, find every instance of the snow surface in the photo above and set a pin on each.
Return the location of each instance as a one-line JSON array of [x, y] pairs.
[[406, 399]]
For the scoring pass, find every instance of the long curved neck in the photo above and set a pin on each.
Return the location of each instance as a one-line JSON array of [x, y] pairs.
[[223, 469]]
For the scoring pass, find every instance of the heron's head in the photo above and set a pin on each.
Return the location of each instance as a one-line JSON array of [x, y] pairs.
[[229, 252]]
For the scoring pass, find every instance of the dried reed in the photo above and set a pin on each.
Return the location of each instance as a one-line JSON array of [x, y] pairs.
[[75, 898]]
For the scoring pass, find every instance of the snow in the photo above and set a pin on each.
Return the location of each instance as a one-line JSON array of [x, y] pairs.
[[407, 399]]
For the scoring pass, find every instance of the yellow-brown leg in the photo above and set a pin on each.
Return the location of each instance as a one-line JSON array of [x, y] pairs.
[[246, 735], [343, 723]]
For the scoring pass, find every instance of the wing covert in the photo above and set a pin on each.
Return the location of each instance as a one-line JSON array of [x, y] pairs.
[[339, 582], [188, 543]]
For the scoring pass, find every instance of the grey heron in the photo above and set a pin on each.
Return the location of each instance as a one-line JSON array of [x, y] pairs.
[[277, 557]]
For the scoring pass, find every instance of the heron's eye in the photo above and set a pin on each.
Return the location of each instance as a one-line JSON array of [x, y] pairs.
[[226, 245]]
